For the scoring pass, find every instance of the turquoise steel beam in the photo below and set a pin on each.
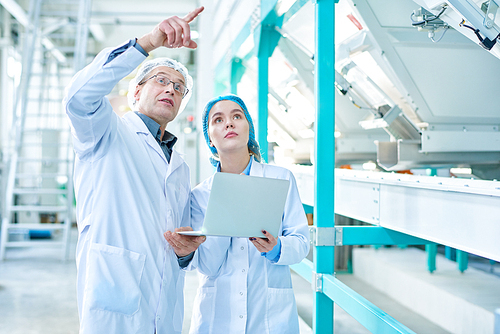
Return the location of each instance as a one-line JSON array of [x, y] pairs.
[[268, 18], [431, 250], [450, 253], [304, 269], [308, 208], [237, 71], [267, 38], [263, 92], [376, 235], [462, 260], [324, 149], [366, 313]]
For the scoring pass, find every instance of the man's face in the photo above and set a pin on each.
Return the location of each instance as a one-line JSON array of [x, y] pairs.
[[158, 101]]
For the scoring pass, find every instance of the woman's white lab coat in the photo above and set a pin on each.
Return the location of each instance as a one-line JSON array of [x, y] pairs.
[[240, 290], [128, 195]]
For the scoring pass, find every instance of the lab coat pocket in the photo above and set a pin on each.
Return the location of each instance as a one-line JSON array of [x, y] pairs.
[[114, 277], [203, 310], [282, 314]]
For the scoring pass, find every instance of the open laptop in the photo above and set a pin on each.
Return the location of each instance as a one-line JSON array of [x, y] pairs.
[[243, 206]]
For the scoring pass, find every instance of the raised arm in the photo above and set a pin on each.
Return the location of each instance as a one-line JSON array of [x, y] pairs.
[[90, 113]]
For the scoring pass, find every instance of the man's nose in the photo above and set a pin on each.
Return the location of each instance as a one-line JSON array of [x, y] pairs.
[[170, 88]]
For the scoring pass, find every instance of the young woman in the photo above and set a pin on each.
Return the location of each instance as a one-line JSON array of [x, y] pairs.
[[245, 284]]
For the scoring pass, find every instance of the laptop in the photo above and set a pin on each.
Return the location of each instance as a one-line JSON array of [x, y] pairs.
[[243, 206]]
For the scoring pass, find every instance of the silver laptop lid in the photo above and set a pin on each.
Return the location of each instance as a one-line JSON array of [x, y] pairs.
[[243, 206]]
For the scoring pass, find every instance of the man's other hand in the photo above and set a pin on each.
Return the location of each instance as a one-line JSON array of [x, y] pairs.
[[183, 244]]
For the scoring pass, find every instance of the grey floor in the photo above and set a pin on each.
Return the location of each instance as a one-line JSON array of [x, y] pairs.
[[37, 296]]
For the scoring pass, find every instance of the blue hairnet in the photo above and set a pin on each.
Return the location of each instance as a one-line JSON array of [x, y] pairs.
[[253, 145]]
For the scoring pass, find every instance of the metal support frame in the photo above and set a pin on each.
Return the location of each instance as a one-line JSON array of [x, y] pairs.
[[325, 235], [268, 40], [85, 7], [431, 250], [361, 235], [38, 124], [366, 313], [324, 144], [237, 71], [462, 260]]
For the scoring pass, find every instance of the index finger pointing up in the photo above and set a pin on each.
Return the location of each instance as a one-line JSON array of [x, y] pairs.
[[192, 15]]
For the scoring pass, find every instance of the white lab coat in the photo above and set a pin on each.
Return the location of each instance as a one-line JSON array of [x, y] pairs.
[[128, 195], [240, 290]]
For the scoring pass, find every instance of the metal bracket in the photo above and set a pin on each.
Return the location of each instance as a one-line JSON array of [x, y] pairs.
[[339, 236], [491, 12], [326, 236], [318, 282]]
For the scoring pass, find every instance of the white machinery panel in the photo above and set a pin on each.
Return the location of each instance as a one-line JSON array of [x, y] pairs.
[[465, 221], [358, 200], [460, 213]]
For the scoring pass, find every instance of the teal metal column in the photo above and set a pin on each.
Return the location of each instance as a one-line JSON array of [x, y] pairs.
[[431, 250], [237, 71], [462, 260], [265, 52], [324, 155]]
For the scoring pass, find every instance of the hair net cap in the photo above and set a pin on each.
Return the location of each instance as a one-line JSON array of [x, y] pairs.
[[253, 145], [150, 65]]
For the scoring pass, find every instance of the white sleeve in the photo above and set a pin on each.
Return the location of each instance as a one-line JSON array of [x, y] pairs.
[[90, 113], [211, 254], [295, 235]]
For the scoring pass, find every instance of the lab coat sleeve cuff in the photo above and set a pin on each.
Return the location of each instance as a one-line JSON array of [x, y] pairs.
[[274, 254], [138, 47], [184, 260], [121, 49]]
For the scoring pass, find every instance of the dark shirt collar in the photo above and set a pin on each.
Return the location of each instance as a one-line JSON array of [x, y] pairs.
[[153, 127]]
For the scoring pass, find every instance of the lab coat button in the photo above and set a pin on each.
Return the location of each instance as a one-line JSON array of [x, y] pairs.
[[241, 317], [242, 248], [241, 293], [243, 270]]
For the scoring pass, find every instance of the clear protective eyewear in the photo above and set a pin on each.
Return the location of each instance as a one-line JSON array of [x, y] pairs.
[[164, 81]]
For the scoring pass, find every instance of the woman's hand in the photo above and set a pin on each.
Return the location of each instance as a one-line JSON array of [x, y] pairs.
[[264, 245]]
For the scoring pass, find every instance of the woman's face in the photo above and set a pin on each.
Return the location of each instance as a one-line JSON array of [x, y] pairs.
[[228, 127]]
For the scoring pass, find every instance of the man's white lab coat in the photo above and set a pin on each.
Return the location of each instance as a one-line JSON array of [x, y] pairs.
[[128, 195]]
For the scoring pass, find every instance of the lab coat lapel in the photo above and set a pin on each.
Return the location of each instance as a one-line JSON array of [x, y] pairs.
[[256, 169], [140, 127], [176, 159]]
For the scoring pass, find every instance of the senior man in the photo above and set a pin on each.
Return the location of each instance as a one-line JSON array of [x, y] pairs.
[[131, 187]]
